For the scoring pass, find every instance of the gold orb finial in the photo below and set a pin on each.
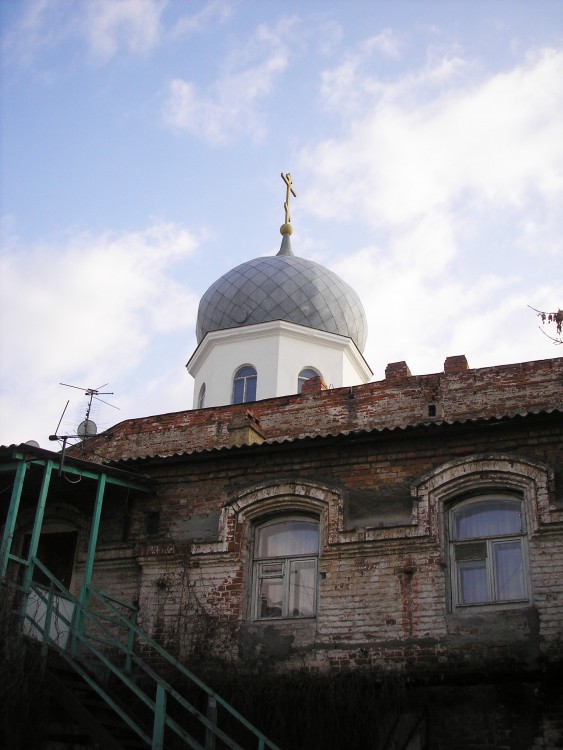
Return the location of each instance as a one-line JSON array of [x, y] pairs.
[[286, 229]]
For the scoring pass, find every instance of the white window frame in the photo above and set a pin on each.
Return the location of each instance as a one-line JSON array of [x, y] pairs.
[[245, 380], [481, 548], [260, 572]]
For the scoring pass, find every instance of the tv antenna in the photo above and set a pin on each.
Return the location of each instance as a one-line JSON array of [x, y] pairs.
[[87, 428], [93, 393]]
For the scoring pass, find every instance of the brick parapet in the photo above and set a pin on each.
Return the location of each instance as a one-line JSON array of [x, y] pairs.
[[397, 402]]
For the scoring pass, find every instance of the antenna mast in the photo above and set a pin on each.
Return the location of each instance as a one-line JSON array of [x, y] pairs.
[[87, 428]]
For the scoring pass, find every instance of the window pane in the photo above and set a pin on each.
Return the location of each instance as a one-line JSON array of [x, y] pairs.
[[288, 538], [471, 550], [302, 586], [271, 569], [307, 373], [251, 389], [244, 372], [271, 595], [244, 385], [509, 573], [201, 399], [472, 582], [238, 391], [484, 519]]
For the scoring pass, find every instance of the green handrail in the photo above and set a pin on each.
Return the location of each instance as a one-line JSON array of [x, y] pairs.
[[82, 643]]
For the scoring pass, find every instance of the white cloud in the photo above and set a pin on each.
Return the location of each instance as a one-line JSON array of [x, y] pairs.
[[107, 27], [330, 34], [461, 175], [422, 315], [132, 24], [421, 147], [386, 43], [88, 313], [229, 107], [216, 10], [349, 86], [42, 25]]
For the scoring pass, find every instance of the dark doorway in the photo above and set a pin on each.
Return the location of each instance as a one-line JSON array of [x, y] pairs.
[[56, 552]]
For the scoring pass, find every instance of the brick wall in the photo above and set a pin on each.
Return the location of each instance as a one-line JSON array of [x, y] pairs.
[[378, 472], [400, 400], [384, 588]]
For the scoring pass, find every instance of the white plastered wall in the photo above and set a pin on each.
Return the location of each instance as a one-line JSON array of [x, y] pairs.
[[279, 351]]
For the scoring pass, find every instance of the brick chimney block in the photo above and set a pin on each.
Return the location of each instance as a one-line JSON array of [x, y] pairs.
[[313, 385], [456, 364], [397, 371], [244, 429]]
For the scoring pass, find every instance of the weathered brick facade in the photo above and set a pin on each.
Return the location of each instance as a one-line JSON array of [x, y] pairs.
[[370, 463], [380, 466]]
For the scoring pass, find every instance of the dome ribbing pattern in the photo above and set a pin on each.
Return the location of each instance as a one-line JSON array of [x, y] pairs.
[[283, 287]]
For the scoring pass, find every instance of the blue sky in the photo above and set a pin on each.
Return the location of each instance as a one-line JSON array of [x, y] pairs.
[[142, 145]]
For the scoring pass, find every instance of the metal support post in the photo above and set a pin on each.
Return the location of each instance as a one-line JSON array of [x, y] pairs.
[[131, 643], [11, 518], [212, 716], [36, 533], [83, 596], [159, 718]]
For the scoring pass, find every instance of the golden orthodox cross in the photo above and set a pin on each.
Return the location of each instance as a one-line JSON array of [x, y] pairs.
[[289, 189]]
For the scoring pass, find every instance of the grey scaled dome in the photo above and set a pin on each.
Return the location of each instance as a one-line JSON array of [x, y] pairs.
[[282, 287]]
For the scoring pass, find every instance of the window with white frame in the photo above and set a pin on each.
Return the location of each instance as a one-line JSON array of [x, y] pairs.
[[306, 374], [286, 552], [244, 385], [488, 551]]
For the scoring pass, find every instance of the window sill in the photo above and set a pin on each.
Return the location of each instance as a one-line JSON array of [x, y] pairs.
[[468, 610], [284, 619]]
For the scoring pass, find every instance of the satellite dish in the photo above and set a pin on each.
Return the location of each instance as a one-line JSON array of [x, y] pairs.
[[87, 428], [32, 443]]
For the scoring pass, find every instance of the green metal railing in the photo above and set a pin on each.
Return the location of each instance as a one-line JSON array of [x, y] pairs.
[[98, 637]]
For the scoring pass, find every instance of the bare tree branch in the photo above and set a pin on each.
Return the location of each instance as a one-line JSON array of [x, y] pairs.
[[553, 318]]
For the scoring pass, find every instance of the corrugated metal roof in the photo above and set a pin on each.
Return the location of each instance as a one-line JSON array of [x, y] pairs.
[[14, 451], [431, 423]]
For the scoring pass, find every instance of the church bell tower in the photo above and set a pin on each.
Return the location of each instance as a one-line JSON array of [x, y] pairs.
[[271, 323]]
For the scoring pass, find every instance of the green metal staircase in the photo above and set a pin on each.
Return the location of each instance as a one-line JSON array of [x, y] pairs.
[[78, 715], [122, 688]]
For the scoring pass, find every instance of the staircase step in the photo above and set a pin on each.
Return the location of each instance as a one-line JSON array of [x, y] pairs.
[[88, 718]]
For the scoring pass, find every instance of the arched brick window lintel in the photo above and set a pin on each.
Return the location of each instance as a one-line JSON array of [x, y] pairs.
[[259, 500], [531, 480], [265, 500]]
